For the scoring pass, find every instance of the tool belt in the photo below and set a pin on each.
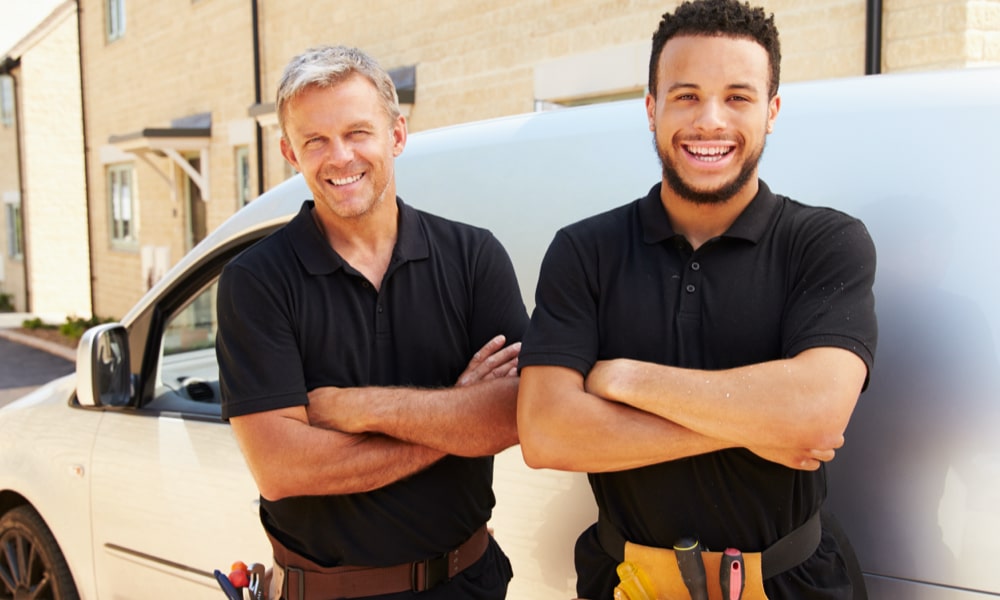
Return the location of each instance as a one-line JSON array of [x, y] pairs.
[[298, 578], [659, 565]]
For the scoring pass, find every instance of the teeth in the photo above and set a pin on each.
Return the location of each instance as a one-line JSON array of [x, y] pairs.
[[346, 180], [712, 151], [709, 153]]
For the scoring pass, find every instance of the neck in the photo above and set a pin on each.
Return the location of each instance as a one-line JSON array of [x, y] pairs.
[[365, 242], [700, 222]]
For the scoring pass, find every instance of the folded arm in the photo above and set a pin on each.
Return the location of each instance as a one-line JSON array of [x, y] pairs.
[[628, 414], [792, 407], [477, 417], [289, 457], [563, 426], [335, 445]]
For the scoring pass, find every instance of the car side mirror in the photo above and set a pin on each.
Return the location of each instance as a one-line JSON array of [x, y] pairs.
[[104, 375]]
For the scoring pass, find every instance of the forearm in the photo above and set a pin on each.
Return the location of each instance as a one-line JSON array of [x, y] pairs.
[[803, 402], [288, 457], [471, 420], [564, 427]]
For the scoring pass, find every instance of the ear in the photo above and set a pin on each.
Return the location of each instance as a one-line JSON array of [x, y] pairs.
[[399, 134], [289, 153], [773, 106], [651, 111]]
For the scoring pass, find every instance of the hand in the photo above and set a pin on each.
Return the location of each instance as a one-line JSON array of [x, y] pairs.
[[801, 460], [492, 361], [602, 378], [329, 408]]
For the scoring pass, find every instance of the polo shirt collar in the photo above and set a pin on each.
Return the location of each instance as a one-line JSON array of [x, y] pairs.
[[318, 258], [750, 225]]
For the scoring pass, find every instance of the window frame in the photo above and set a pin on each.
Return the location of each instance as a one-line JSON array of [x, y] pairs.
[[8, 105], [114, 22], [243, 176], [127, 234], [15, 230]]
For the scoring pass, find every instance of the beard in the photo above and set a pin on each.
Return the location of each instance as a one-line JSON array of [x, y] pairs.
[[718, 195]]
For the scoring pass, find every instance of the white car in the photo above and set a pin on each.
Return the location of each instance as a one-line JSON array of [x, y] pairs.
[[121, 481]]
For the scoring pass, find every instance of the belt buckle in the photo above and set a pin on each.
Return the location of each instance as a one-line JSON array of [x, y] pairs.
[[427, 574], [301, 576]]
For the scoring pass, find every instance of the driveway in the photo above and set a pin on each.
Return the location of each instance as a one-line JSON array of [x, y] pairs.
[[26, 364]]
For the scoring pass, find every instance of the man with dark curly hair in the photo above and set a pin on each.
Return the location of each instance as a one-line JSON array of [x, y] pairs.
[[699, 351]]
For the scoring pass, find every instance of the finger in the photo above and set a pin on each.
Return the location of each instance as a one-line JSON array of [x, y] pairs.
[[823, 455], [492, 362], [488, 349], [504, 355], [470, 374], [505, 369]]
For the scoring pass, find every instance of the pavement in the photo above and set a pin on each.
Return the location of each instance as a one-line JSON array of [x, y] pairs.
[[27, 362]]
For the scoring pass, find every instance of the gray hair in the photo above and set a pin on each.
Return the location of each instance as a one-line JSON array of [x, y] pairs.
[[326, 66]]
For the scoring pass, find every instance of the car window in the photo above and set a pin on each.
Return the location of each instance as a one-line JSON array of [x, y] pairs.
[[194, 326], [188, 372]]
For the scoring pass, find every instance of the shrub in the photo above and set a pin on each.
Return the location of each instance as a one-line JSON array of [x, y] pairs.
[[75, 326]]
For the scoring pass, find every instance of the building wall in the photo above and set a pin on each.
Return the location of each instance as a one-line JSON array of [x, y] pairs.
[[175, 59], [474, 59], [54, 202], [944, 34]]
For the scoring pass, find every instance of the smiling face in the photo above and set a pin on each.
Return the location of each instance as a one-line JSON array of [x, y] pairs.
[[711, 115], [344, 143]]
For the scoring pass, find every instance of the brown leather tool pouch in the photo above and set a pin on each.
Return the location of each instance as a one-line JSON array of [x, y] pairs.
[[660, 568], [659, 565]]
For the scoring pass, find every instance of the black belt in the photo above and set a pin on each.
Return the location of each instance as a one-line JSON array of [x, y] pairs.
[[788, 552]]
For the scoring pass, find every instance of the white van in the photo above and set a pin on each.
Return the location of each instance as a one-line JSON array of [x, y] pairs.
[[144, 493]]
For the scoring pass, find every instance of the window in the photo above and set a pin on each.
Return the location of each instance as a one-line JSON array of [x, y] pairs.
[[15, 230], [121, 196], [194, 327], [115, 19], [242, 176], [188, 378], [7, 100]]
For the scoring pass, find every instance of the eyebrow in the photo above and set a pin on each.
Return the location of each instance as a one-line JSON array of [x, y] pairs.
[[733, 86], [361, 124]]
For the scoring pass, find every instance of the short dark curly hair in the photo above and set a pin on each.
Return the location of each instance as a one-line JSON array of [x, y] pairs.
[[723, 18]]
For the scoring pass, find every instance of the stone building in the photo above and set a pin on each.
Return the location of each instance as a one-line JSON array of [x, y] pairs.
[[179, 122], [45, 266]]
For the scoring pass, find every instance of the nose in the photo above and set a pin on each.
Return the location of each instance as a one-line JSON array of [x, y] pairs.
[[710, 117], [340, 152]]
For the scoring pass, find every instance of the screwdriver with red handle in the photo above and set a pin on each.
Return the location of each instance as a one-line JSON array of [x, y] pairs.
[[732, 578]]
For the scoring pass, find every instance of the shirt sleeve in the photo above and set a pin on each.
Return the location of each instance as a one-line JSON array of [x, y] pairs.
[[259, 361], [563, 330], [832, 302], [498, 307]]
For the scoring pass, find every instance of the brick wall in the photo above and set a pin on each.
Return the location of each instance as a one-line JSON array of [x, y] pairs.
[[176, 59], [926, 35], [475, 59]]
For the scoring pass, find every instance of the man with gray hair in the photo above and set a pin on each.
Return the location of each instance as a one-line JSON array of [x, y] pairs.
[[367, 355]]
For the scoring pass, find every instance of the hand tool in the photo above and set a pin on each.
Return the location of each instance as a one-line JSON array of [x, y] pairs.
[[732, 578], [231, 592], [256, 581], [688, 553], [633, 584]]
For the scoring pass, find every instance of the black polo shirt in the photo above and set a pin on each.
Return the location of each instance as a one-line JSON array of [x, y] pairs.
[[294, 316], [785, 277]]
